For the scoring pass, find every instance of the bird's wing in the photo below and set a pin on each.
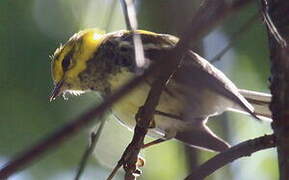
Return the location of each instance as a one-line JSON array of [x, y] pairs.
[[207, 75]]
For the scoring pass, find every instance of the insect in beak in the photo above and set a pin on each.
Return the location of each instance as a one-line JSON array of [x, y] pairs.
[[56, 91]]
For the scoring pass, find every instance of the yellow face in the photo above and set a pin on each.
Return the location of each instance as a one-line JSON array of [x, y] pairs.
[[70, 60]]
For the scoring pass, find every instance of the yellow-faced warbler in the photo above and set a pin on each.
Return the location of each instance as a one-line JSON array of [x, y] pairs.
[[93, 61]]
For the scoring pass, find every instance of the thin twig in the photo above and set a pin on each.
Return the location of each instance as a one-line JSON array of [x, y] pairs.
[[132, 25], [173, 116], [90, 148], [109, 15], [114, 171], [126, 15], [235, 37], [201, 25], [271, 26], [94, 136], [241, 150]]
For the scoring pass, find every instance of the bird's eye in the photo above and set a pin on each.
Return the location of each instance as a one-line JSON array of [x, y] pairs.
[[66, 61]]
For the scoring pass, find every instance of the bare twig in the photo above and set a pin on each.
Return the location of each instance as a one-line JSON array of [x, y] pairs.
[[241, 150], [114, 171], [127, 19], [132, 25], [272, 28], [131, 22], [95, 134], [109, 15], [90, 148], [235, 37], [202, 27]]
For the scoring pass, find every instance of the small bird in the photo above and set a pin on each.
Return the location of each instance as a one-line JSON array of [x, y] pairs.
[[94, 61]]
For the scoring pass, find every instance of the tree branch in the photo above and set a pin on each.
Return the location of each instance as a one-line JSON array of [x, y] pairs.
[[132, 25], [278, 33], [237, 35], [241, 150], [94, 136]]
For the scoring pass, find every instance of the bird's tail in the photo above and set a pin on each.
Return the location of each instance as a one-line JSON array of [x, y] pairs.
[[260, 102]]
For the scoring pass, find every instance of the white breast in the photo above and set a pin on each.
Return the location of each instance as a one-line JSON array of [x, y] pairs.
[[127, 107], [198, 105]]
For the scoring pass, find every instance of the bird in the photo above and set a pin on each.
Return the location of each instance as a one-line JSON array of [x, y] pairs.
[[92, 60]]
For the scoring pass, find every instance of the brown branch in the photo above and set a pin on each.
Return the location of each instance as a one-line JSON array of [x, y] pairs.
[[271, 26], [109, 15], [127, 17], [279, 55], [214, 15], [132, 25], [241, 150], [245, 27], [131, 153], [94, 136]]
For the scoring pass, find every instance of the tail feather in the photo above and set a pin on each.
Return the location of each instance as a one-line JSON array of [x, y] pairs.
[[260, 102]]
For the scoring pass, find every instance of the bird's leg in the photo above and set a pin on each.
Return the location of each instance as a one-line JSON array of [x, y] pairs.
[[157, 141], [169, 115], [168, 136]]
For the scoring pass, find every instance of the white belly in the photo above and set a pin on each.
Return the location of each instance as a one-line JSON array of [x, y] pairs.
[[185, 100], [126, 109]]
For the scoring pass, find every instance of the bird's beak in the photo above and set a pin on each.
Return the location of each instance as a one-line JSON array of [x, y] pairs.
[[56, 91]]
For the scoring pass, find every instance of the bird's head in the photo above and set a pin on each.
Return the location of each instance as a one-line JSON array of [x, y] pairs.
[[69, 65], [92, 60]]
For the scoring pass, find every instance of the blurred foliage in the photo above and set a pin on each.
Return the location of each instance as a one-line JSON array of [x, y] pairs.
[[32, 29]]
